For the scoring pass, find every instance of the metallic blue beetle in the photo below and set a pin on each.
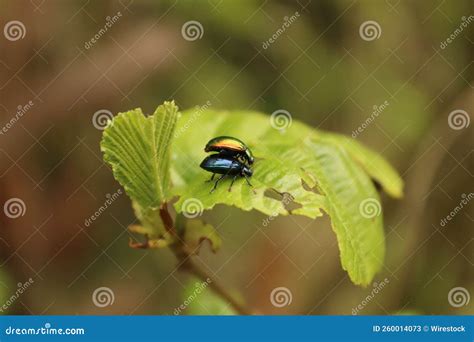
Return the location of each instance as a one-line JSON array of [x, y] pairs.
[[226, 166]]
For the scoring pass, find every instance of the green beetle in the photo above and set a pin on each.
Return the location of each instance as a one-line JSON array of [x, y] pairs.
[[230, 147]]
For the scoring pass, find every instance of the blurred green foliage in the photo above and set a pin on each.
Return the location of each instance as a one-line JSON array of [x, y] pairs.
[[319, 70]]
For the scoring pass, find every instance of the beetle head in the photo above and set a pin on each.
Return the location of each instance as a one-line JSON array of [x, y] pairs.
[[246, 171], [249, 157]]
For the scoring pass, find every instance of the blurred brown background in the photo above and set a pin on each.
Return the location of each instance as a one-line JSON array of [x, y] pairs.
[[320, 69]]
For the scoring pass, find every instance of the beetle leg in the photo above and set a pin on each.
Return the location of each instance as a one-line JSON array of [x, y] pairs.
[[250, 184], [212, 178], [233, 180], [217, 181]]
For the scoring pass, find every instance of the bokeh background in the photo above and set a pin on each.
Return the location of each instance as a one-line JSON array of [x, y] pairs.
[[322, 69]]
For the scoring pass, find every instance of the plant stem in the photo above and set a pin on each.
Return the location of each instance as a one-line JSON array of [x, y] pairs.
[[186, 262], [190, 266]]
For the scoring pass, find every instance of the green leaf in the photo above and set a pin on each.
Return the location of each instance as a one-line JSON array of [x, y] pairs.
[[318, 171], [137, 148], [298, 170], [272, 173], [164, 240], [373, 164], [196, 231], [354, 208]]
